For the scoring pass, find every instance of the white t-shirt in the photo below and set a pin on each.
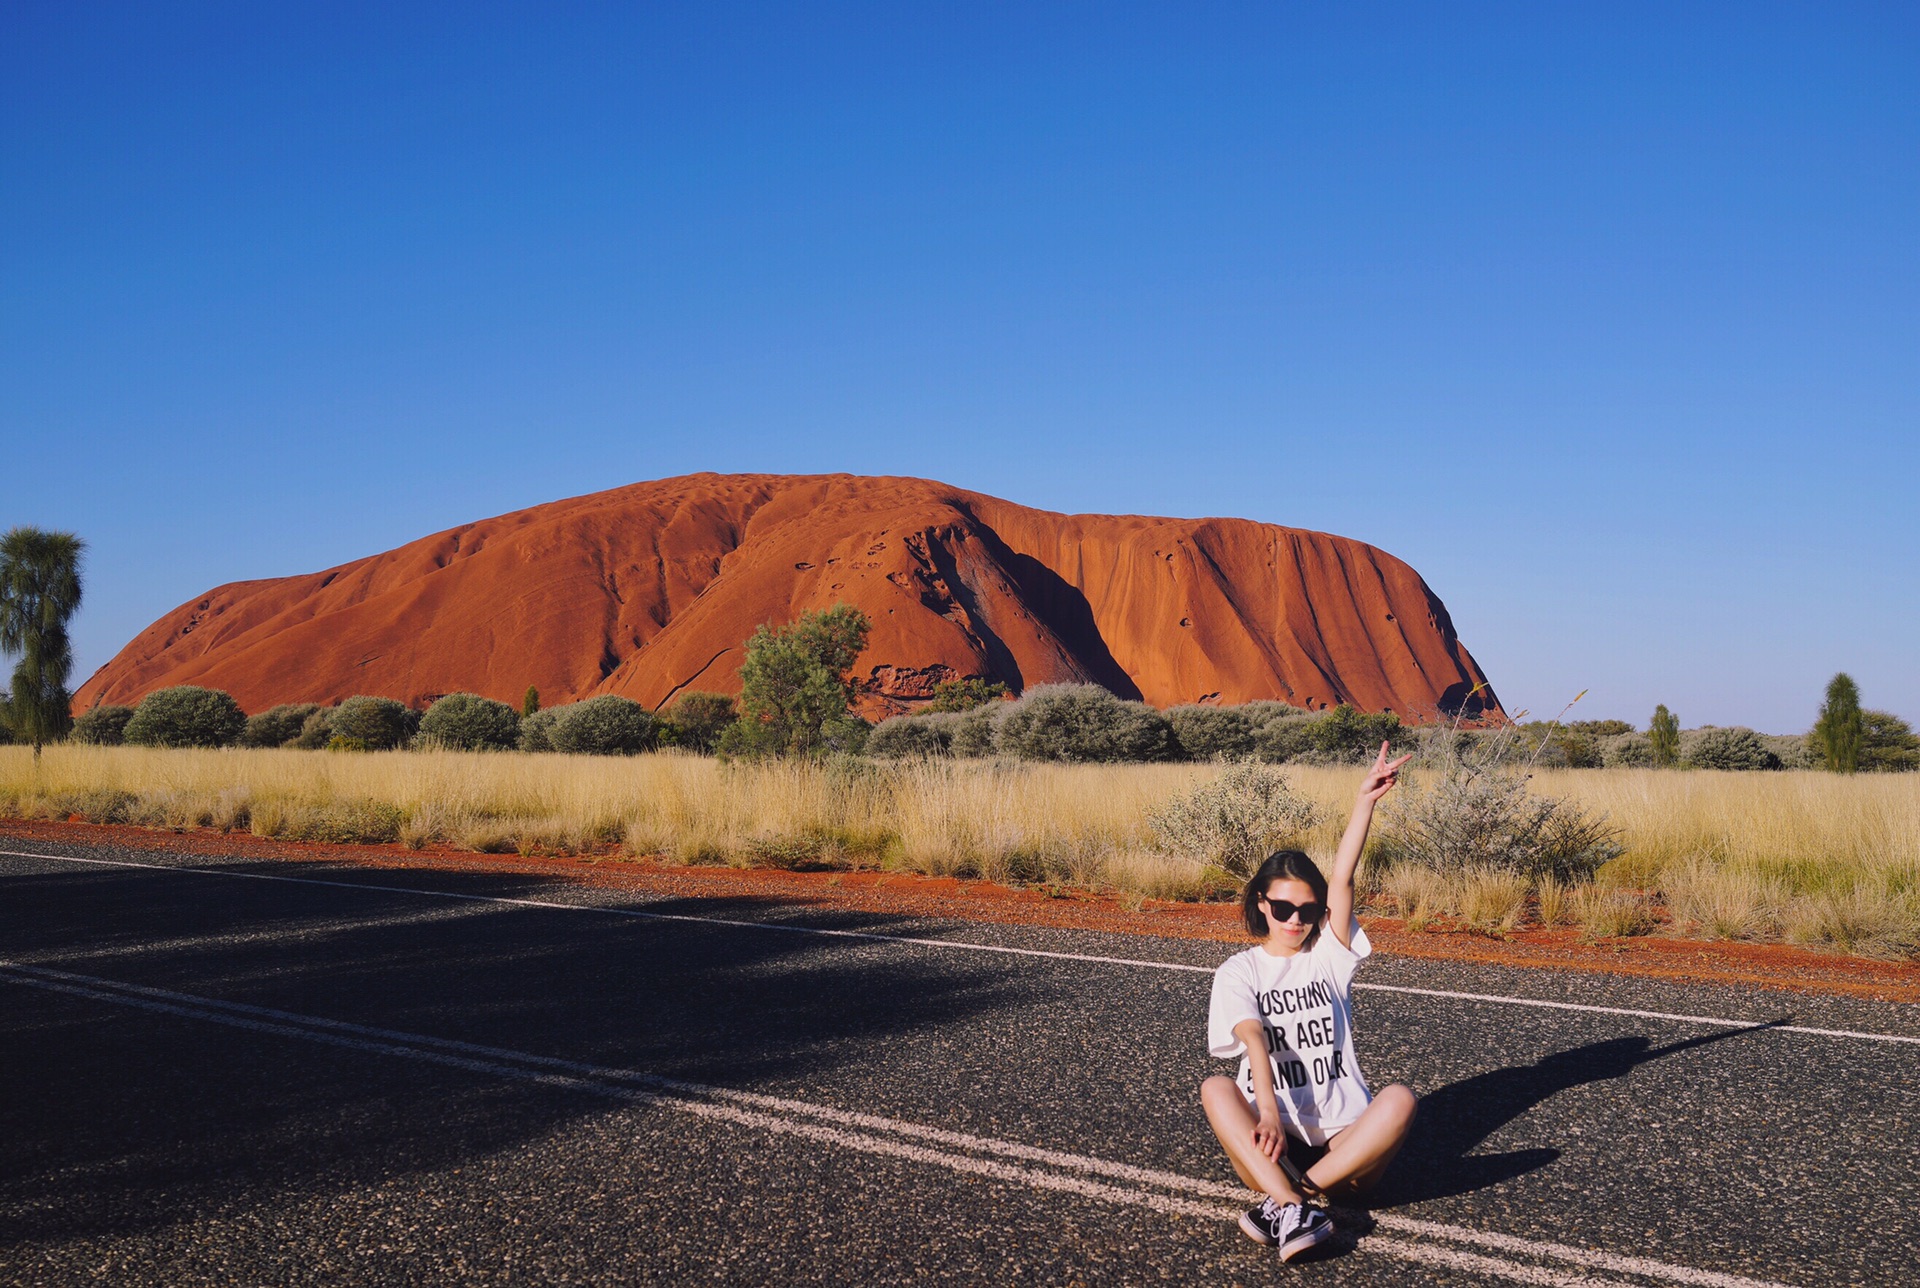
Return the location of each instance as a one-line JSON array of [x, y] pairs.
[[1303, 1003]]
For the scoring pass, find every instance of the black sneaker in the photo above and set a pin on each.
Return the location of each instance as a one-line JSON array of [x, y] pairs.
[[1291, 1227]]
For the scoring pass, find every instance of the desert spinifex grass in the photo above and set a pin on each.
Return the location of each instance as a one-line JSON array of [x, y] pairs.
[[1806, 857], [1031, 822]]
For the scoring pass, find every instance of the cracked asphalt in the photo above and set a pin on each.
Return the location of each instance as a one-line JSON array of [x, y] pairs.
[[154, 1138]]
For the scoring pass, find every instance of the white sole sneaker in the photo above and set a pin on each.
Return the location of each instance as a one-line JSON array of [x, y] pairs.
[[1316, 1230], [1254, 1230]]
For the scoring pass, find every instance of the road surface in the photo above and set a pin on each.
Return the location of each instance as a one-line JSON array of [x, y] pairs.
[[220, 1070]]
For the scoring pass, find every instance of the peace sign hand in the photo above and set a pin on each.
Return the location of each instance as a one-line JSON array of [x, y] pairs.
[[1381, 775]]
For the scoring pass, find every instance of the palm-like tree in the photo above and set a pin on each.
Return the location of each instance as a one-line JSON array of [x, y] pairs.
[[39, 591]]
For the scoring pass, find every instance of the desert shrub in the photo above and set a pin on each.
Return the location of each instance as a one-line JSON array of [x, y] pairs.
[[277, 726], [1577, 750], [1494, 903], [816, 847], [1082, 722], [349, 822], [1887, 743], [1483, 818], [178, 810], [608, 725], [1545, 754], [95, 804], [1286, 738], [1439, 746], [1416, 893], [469, 722], [1575, 744], [1549, 747], [316, 730], [1211, 733], [964, 695], [698, 719], [1732, 747], [1713, 901], [103, 726], [424, 823], [1233, 822], [1862, 921], [376, 723], [1627, 751], [975, 734], [186, 716], [845, 735], [536, 730], [1262, 710], [486, 835], [1792, 750], [1605, 913], [1346, 735], [1505, 746], [1554, 901], [916, 735]]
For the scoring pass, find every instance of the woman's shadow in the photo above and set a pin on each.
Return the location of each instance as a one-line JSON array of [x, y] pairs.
[[1437, 1162]]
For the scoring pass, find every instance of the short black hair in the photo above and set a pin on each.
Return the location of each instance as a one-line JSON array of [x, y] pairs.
[[1281, 865]]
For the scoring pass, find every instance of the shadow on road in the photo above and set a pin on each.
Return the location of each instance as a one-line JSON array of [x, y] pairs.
[[1438, 1161], [115, 1120]]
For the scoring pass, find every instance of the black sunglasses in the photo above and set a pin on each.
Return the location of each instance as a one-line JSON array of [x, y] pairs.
[[1283, 910]]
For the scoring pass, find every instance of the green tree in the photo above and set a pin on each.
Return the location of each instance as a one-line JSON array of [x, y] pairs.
[[39, 591], [1663, 735], [1840, 730], [530, 703], [794, 682]]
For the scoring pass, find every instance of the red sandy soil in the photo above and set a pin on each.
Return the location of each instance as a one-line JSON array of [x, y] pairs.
[[650, 590], [1770, 966]]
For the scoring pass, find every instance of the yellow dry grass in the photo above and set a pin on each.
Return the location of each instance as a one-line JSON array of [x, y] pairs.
[[1809, 857], [1812, 832]]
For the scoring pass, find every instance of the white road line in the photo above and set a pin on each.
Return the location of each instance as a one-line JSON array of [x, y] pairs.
[[785, 1116], [963, 946], [1644, 1015]]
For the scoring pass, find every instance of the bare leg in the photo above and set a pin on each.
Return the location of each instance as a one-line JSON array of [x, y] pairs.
[[1233, 1123], [1361, 1151]]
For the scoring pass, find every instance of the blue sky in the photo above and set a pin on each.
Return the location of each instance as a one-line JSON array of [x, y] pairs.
[[1606, 318]]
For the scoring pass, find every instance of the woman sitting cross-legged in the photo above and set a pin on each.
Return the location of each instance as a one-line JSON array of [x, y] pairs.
[[1287, 998]]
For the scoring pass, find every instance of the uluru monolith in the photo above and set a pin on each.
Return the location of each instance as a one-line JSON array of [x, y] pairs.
[[652, 589]]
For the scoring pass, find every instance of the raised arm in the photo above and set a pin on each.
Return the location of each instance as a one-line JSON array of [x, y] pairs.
[[1381, 776]]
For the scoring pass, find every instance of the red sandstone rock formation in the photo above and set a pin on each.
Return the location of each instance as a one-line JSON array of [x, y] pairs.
[[650, 590]]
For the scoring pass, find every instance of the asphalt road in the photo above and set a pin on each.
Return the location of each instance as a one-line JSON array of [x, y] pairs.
[[354, 1076]]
